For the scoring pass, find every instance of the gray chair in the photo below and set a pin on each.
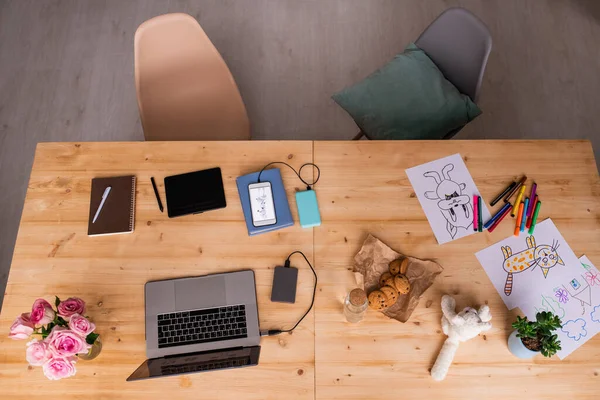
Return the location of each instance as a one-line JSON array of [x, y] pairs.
[[459, 44]]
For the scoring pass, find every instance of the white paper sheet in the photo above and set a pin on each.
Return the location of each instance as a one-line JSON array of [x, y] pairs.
[[523, 267], [576, 301], [445, 190]]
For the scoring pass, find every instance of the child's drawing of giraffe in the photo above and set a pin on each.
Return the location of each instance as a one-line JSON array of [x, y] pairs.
[[544, 255]]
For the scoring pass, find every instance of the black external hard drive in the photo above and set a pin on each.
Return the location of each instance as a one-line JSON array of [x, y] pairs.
[[285, 280]]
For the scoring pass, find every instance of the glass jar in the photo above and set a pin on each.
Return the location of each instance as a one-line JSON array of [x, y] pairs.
[[93, 352], [355, 305]]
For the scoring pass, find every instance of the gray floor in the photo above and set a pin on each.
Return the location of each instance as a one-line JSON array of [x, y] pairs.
[[66, 70]]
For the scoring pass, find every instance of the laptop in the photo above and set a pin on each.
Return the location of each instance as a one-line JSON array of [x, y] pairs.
[[200, 324], [195, 192]]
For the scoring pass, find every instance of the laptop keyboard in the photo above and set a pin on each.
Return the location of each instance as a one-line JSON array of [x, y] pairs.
[[201, 326], [205, 366]]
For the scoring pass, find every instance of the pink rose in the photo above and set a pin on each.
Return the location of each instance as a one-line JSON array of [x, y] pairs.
[[63, 342], [80, 325], [42, 312], [22, 328], [59, 367], [37, 353], [70, 306]]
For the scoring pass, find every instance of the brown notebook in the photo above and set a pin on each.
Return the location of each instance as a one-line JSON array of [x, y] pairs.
[[118, 212]]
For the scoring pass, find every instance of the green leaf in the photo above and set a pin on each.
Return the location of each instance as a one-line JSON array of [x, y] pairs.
[[56, 301], [587, 267], [61, 321], [46, 330], [91, 338], [541, 329]]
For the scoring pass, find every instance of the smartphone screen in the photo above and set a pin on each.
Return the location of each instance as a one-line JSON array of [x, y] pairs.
[[262, 205]]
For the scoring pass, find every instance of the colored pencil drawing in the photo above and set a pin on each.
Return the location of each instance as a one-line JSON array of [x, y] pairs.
[[544, 255], [579, 289], [562, 295], [595, 314], [581, 322], [455, 206], [592, 278], [575, 329], [551, 305]]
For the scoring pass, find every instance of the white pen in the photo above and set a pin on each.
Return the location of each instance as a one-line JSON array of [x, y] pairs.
[[104, 196]]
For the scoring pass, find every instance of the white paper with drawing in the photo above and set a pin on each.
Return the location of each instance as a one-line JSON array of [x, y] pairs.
[[445, 190], [523, 267], [576, 301]]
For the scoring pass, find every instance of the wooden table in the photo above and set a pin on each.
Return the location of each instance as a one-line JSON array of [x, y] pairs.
[[363, 189]]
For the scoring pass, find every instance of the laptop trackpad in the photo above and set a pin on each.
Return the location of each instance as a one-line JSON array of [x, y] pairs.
[[197, 293]]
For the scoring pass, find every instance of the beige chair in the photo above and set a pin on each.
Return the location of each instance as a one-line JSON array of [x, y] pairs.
[[184, 88]]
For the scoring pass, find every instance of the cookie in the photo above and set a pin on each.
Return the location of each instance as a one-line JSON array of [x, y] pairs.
[[395, 266], [391, 295], [404, 265], [401, 284], [387, 279], [377, 300]]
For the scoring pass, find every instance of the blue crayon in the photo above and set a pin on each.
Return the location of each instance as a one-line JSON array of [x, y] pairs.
[[495, 217], [524, 218]]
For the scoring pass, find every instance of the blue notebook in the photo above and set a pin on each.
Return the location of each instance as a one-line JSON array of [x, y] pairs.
[[282, 207]]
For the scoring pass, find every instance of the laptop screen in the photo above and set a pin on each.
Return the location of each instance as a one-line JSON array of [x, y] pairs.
[[197, 362]]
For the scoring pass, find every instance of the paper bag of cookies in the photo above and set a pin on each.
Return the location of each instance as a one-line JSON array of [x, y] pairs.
[[394, 282]]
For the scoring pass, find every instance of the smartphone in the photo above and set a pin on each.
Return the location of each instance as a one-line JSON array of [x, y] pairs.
[[262, 204]]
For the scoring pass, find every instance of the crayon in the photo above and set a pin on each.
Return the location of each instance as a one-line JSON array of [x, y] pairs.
[[504, 193], [519, 216], [504, 214], [515, 189], [524, 216], [475, 213], [518, 199], [495, 217], [479, 214], [535, 216], [531, 197], [533, 208]]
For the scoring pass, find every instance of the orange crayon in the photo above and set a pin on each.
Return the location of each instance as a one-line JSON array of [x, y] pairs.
[[519, 218]]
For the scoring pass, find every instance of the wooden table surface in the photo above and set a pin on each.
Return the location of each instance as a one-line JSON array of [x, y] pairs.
[[363, 189]]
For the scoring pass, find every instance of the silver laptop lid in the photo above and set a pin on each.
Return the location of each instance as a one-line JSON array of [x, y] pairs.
[[187, 307], [196, 362]]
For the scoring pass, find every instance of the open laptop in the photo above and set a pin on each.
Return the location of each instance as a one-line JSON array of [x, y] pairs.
[[200, 324]]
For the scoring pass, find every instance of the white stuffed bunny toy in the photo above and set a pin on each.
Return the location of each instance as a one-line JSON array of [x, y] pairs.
[[459, 327]]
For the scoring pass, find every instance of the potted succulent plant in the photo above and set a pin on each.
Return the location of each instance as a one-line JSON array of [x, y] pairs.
[[532, 337]]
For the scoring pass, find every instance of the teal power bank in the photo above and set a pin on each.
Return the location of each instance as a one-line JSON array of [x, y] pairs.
[[308, 209]]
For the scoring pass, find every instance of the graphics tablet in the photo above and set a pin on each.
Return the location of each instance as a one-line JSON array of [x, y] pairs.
[[195, 192]]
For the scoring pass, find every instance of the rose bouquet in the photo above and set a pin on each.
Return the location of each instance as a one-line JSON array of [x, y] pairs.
[[63, 333]]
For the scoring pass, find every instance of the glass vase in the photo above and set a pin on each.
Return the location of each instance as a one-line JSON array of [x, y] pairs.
[[93, 352]]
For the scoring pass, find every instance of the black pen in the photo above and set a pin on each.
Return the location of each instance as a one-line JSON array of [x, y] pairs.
[[503, 194], [156, 193]]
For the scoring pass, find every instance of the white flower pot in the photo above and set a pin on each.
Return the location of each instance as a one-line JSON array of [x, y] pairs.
[[518, 348]]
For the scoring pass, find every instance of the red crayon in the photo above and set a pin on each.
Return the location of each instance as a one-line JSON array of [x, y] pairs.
[[534, 202], [475, 214], [495, 224]]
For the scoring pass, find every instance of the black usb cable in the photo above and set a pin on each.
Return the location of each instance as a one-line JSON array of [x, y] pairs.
[[298, 173], [273, 332]]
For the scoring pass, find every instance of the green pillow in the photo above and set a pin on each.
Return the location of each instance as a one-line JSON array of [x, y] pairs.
[[409, 98]]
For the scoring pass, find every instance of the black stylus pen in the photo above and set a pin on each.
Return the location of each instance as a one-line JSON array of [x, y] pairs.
[[156, 193]]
